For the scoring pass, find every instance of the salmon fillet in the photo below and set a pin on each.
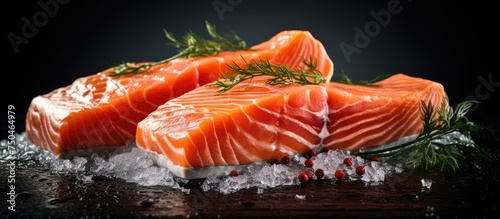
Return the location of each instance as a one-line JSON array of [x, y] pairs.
[[101, 111], [201, 133]]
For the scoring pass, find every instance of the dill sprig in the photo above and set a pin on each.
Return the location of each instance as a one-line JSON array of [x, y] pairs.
[[346, 80], [428, 150], [281, 75], [189, 46]]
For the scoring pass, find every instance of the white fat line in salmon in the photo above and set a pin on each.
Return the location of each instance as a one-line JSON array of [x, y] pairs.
[[239, 147], [277, 130]]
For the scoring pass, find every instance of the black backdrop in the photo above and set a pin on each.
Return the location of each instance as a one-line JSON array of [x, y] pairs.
[[454, 44]]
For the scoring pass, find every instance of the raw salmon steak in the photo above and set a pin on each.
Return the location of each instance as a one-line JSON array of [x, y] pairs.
[[201, 133], [100, 110]]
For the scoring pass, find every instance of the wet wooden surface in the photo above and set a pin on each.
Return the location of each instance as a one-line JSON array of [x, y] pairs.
[[471, 193]]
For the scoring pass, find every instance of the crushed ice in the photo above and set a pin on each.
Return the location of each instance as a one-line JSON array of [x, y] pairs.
[[426, 184], [131, 164], [128, 163], [300, 197]]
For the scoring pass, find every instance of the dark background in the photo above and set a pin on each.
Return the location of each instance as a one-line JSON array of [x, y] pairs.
[[451, 43]]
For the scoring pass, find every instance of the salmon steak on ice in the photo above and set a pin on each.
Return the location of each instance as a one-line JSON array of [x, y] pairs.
[[203, 132], [100, 110]]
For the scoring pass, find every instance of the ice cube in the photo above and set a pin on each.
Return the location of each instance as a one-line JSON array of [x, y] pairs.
[[65, 166], [379, 175], [300, 197], [349, 171], [260, 190], [398, 170], [426, 183], [185, 190], [375, 164], [359, 161], [84, 178]]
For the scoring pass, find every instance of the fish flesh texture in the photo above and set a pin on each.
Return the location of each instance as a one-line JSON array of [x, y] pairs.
[[100, 111], [202, 132]]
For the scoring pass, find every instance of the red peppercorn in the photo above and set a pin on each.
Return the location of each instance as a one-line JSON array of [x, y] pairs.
[[375, 158], [303, 178], [325, 150], [309, 163], [234, 173], [309, 174], [277, 161], [311, 153], [319, 173], [360, 170], [348, 161], [285, 160], [339, 174]]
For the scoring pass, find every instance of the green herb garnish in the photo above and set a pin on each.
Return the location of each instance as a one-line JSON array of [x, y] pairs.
[[281, 75], [191, 45], [346, 80], [427, 151]]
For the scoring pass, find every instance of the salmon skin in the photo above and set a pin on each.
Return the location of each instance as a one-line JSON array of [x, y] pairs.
[[201, 133], [100, 111]]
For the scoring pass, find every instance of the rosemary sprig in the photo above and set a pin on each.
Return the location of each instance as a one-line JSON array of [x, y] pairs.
[[428, 150], [346, 80], [189, 46], [281, 75]]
